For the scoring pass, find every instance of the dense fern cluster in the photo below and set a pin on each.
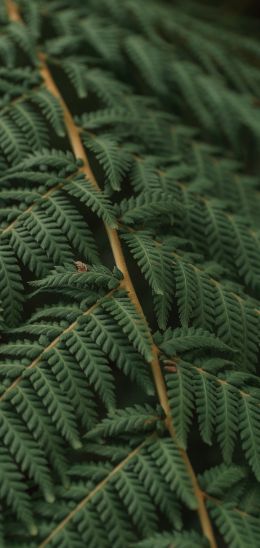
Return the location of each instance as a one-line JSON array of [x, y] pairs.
[[128, 130]]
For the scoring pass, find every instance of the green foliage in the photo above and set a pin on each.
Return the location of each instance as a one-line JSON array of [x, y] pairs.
[[129, 276]]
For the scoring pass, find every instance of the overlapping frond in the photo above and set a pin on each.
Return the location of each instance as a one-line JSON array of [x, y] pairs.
[[129, 276]]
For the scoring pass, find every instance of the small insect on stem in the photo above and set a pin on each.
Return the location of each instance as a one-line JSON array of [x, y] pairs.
[[171, 369], [170, 365], [81, 267]]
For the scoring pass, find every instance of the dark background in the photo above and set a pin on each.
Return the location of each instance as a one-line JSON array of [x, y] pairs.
[[242, 7]]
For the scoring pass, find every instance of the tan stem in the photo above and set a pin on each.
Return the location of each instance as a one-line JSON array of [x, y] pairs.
[[73, 134]]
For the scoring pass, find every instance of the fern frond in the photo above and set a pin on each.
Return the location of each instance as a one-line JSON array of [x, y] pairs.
[[184, 339], [185, 290], [178, 540], [75, 73], [51, 110], [94, 199], [142, 209], [226, 419], [124, 312], [249, 431], [145, 57], [111, 157], [153, 482], [237, 325], [95, 276], [72, 224], [10, 286], [25, 451], [129, 275], [22, 39], [205, 405], [137, 501], [27, 250], [12, 489], [147, 255], [31, 124], [48, 237], [180, 388], [168, 458], [13, 144], [130, 419], [216, 480], [73, 384], [57, 406], [103, 330], [155, 262], [237, 528], [94, 365]]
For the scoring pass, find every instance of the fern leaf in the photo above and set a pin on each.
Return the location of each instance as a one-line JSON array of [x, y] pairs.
[[218, 479], [93, 363], [75, 72], [247, 254], [88, 526], [238, 529], [24, 451], [180, 388], [148, 256], [94, 199], [130, 419], [48, 236], [249, 431], [114, 518], [51, 110], [57, 405], [184, 339], [21, 37], [73, 384], [12, 142], [103, 330], [237, 325], [168, 458], [185, 290], [136, 501], [178, 540], [205, 394], [149, 476], [146, 206], [122, 309], [155, 263], [32, 411], [95, 276], [111, 157], [145, 57], [10, 286], [31, 124], [72, 225], [102, 421], [27, 250], [226, 419], [12, 489]]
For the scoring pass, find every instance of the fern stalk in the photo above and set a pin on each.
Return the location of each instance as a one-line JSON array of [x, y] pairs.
[[169, 192], [79, 152]]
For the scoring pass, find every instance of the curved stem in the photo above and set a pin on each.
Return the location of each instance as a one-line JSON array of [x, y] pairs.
[[79, 151], [73, 134]]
